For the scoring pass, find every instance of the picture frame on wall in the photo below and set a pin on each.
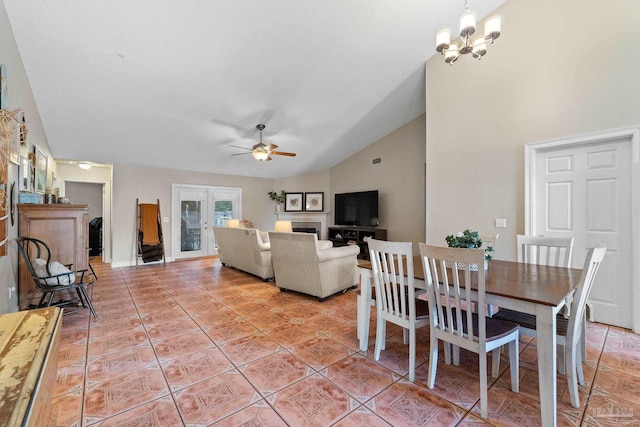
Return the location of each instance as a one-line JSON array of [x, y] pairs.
[[293, 202], [314, 202], [42, 161], [24, 172]]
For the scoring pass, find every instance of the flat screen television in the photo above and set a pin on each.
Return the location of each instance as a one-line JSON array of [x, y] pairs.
[[358, 209]]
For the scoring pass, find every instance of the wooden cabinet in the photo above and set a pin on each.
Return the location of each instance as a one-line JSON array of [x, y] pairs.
[[65, 228], [347, 235], [29, 342]]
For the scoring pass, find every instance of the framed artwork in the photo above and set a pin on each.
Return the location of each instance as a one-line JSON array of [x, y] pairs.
[[41, 170], [24, 172], [313, 202], [293, 202]]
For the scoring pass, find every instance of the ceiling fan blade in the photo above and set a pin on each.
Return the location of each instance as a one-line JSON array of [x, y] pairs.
[[240, 154], [283, 153], [242, 148]]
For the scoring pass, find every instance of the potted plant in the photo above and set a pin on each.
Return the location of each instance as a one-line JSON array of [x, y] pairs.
[[278, 198], [470, 239]]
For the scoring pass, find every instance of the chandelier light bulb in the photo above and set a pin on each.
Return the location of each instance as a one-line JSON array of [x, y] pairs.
[[492, 28], [479, 47], [443, 39], [467, 23], [451, 54]]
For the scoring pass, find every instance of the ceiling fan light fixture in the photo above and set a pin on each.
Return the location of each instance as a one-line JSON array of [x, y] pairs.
[[261, 155]]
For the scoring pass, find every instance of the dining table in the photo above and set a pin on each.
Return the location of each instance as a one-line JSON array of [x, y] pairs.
[[540, 290]]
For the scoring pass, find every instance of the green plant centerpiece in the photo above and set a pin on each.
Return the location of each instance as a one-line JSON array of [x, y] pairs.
[[278, 198], [470, 239]]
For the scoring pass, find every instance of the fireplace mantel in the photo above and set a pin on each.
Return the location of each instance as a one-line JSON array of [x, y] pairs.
[[320, 218]]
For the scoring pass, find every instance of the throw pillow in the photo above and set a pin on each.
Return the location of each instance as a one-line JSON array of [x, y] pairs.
[[55, 268]]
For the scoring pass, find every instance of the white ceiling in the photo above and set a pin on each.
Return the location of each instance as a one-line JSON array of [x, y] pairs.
[[173, 83]]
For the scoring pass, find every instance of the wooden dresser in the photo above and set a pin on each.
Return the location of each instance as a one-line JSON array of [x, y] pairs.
[[29, 342], [65, 228]]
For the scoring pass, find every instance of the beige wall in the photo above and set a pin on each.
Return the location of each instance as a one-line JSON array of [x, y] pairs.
[[149, 184], [319, 181], [399, 178], [560, 68], [20, 96]]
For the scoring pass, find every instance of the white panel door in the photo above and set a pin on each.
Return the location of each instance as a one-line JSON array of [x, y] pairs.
[[584, 192]]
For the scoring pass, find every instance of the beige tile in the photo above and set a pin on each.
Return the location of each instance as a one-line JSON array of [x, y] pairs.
[[313, 401]]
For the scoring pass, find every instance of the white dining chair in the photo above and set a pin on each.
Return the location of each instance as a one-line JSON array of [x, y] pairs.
[[490, 240], [452, 318], [395, 295], [555, 251], [570, 332]]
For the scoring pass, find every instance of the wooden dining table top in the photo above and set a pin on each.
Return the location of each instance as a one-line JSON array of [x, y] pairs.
[[540, 284]]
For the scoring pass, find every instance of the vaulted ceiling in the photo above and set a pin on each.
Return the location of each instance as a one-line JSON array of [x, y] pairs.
[[175, 84]]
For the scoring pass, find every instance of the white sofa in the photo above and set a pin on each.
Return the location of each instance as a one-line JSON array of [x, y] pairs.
[[303, 264], [245, 249]]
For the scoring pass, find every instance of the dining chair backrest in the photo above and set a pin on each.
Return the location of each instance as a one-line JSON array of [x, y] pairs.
[[449, 280], [591, 265], [392, 269], [553, 251]]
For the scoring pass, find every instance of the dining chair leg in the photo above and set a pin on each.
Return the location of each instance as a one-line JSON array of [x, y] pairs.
[[574, 367], [44, 296], [433, 359], [514, 366], [412, 354], [405, 336], [484, 411], [495, 362], [380, 336]]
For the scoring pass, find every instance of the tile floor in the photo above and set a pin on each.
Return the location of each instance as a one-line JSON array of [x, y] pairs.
[[193, 343]]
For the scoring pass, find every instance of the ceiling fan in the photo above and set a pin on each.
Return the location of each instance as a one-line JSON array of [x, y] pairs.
[[262, 151]]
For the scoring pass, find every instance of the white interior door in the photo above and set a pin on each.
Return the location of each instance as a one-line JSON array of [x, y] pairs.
[[584, 192], [196, 209]]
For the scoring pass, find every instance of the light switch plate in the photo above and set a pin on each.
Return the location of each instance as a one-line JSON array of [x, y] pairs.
[[165, 219], [501, 223]]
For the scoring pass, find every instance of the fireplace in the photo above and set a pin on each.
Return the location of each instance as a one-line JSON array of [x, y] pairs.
[[306, 222]]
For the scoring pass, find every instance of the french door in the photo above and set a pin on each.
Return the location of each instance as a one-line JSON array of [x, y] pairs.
[[196, 210]]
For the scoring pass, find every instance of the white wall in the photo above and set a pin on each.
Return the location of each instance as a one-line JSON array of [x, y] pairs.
[[20, 96], [560, 68]]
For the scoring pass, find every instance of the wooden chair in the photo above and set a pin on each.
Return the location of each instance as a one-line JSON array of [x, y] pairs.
[[570, 332], [452, 318], [554, 251], [50, 276], [395, 295]]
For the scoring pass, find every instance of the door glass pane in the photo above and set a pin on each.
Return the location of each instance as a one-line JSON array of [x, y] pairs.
[[190, 232], [223, 212]]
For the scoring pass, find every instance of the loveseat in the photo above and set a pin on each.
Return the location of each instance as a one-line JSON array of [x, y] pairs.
[[245, 249], [303, 264]]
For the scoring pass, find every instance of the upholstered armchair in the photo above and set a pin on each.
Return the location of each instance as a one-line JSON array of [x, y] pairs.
[[302, 263]]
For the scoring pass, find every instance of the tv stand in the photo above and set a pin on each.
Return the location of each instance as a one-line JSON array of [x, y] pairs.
[[342, 235]]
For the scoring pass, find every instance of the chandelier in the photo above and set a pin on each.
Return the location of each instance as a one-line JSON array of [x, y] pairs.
[[478, 47]]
